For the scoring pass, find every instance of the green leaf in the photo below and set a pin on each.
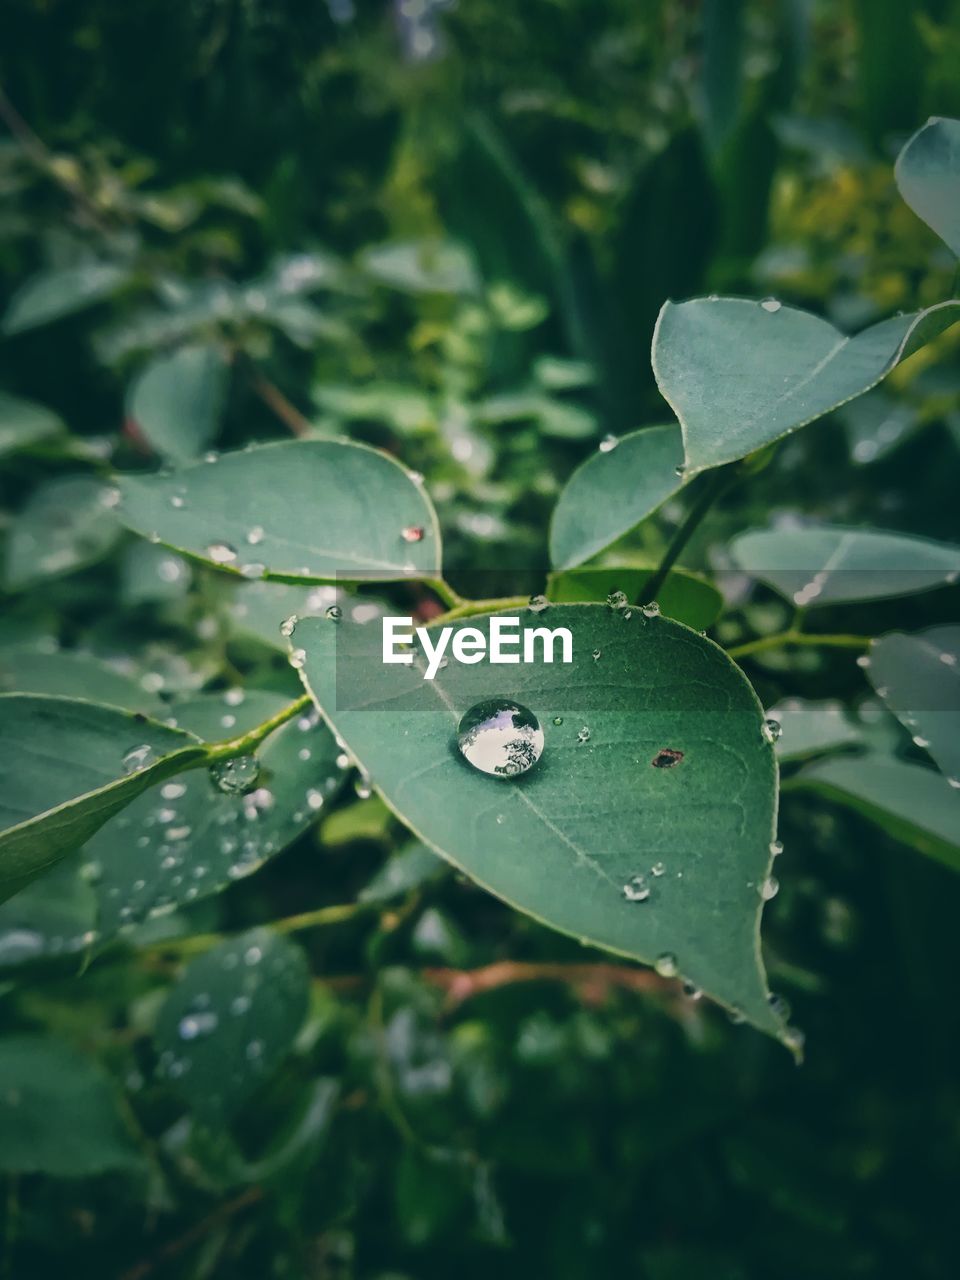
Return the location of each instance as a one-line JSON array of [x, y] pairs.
[[683, 596], [54, 916], [67, 523], [31, 669], [564, 840], [918, 677], [184, 839], [23, 423], [422, 266], [58, 1112], [52, 294], [62, 776], [914, 804], [178, 399], [928, 175], [722, 68], [408, 868], [231, 1019], [152, 574], [740, 374], [613, 491], [304, 510], [810, 728], [830, 564]]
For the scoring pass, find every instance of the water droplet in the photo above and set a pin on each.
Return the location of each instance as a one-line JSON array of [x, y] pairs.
[[173, 790], [298, 658], [235, 776], [333, 612], [863, 661], [919, 741], [608, 444], [412, 533], [771, 305], [770, 888], [955, 783], [666, 965], [138, 758], [681, 470], [636, 889], [253, 571], [596, 655], [221, 553], [239, 1005], [692, 991], [780, 1005], [771, 730], [651, 609], [195, 1025], [776, 848], [314, 799], [500, 737], [252, 956], [558, 720], [617, 600], [537, 603], [254, 535], [177, 500], [657, 869], [289, 625], [234, 697], [363, 788], [583, 734]]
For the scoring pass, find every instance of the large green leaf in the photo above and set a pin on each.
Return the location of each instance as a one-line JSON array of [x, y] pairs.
[[301, 510], [928, 175], [62, 775], [177, 400], [740, 374], [613, 491], [67, 523], [918, 677], [915, 804], [611, 798], [58, 1112], [184, 839], [23, 423], [683, 595], [830, 564], [56, 293], [231, 1019]]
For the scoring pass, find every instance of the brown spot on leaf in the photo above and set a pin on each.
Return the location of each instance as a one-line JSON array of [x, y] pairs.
[[666, 758]]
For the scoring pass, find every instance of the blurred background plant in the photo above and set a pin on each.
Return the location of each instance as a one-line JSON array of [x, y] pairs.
[[446, 229]]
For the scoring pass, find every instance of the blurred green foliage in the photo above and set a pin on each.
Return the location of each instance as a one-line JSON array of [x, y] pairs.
[[446, 229]]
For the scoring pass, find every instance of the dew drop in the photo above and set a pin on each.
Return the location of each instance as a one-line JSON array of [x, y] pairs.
[[596, 655], [776, 848], [608, 444], [863, 661], [173, 790], [177, 500], [666, 965], [235, 776], [617, 600], [692, 991], [289, 625], [500, 737], [681, 470], [657, 869], [221, 553], [636, 889], [771, 730], [771, 305], [558, 720], [651, 609], [195, 1025], [333, 612], [770, 888], [537, 603], [298, 658], [583, 734], [253, 571], [254, 535], [138, 758]]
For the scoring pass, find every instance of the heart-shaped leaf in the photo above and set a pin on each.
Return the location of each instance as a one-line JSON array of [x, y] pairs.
[[740, 374], [59, 1113], [830, 564], [914, 804], [645, 826], [177, 400], [683, 595], [610, 493], [928, 175], [68, 766], [185, 839], [918, 677], [231, 1019], [300, 510]]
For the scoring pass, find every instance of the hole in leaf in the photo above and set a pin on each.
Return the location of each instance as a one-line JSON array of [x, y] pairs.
[[666, 758]]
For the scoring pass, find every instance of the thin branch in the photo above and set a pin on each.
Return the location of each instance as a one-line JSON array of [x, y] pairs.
[[793, 637], [593, 980], [711, 491], [274, 399], [174, 1248]]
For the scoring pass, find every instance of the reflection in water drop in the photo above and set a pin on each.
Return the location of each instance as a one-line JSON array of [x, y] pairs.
[[500, 737], [235, 776]]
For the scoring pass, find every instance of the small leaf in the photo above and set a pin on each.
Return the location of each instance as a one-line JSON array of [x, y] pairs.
[[421, 266], [58, 1112], [24, 423], [810, 728], [683, 596], [304, 510], [830, 564], [52, 294], [407, 869], [928, 175], [184, 839], [565, 840], [741, 374], [62, 775], [67, 523], [178, 399], [918, 677], [914, 804], [618, 486], [231, 1019]]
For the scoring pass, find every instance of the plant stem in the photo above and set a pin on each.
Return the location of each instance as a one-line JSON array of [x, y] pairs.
[[794, 637], [274, 399], [708, 496], [248, 742], [442, 588], [315, 919]]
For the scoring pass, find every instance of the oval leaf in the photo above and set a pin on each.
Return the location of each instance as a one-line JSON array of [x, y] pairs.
[[613, 491], [928, 175], [918, 677], [177, 400], [304, 510], [740, 374], [53, 294], [62, 775], [654, 754], [231, 1019], [830, 564]]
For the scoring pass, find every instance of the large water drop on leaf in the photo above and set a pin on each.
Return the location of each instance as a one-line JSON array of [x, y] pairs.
[[500, 737], [235, 776]]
